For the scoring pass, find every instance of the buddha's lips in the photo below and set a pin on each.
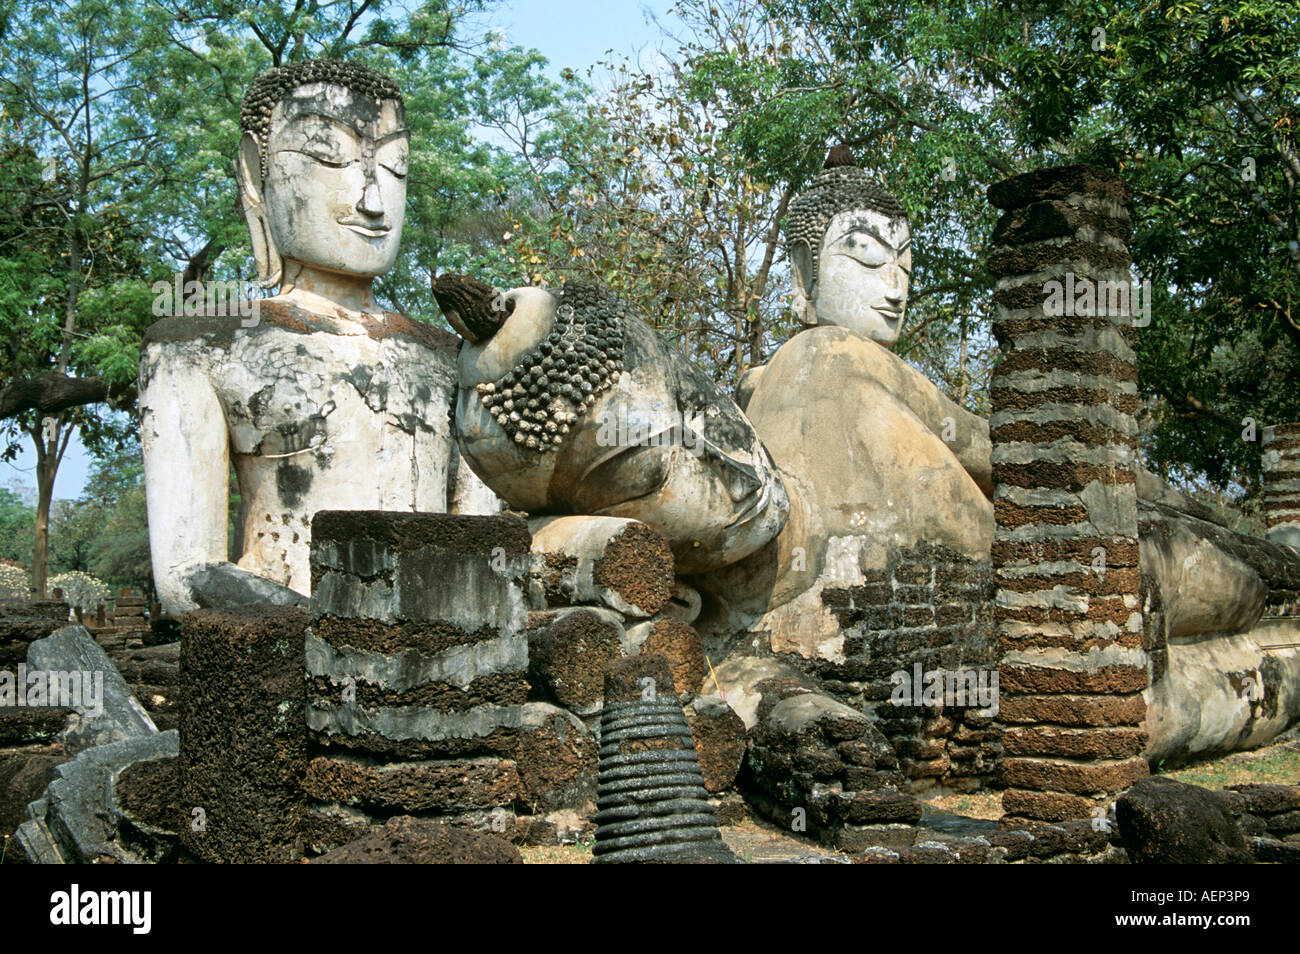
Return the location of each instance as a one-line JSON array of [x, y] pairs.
[[367, 231], [757, 503]]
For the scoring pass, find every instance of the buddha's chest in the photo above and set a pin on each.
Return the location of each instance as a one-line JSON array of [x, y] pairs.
[[330, 395]]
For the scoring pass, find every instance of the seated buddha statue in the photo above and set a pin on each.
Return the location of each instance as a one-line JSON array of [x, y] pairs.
[[321, 400]]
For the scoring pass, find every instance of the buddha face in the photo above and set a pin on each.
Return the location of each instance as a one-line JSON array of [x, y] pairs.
[[863, 271], [335, 185]]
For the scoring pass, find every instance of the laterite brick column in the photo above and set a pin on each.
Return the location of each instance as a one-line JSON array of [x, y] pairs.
[[417, 666], [1281, 471], [243, 740], [1064, 438]]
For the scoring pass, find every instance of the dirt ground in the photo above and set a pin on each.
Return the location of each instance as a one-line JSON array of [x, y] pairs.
[[757, 841]]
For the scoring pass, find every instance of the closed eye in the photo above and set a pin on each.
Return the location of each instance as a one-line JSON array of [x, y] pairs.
[[332, 161]]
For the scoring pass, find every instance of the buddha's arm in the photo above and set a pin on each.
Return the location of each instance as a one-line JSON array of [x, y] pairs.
[[187, 473], [186, 469], [966, 434]]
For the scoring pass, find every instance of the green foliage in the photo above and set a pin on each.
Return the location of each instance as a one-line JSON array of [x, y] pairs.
[[942, 100], [669, 185], [118, 128], [646, 193], [16, 521], [105, 532], [879, 78]]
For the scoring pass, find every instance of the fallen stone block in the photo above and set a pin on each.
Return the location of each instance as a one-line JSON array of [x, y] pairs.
[[436, 787], [612, 561], [556, 758], [24, 775], [568, 659], [78, 819], [1162, 821], [70, 652], [470, 572], [679, 643], [719, 735]]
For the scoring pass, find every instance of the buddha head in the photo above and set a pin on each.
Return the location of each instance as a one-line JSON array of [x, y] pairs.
[[322, 170], [850, 252]]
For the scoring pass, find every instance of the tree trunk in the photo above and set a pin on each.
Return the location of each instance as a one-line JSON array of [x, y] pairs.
[[44, 496], [963, 380], [759, 287], [50, 446]]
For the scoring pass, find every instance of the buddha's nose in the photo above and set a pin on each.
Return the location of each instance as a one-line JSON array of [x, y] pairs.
[[372, 202], [896, 284]]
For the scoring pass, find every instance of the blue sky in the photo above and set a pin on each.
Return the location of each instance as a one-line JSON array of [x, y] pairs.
[[570, 33], [576, 33]]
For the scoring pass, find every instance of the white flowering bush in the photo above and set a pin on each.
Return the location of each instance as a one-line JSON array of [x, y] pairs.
[[14, 585], [80, 590]]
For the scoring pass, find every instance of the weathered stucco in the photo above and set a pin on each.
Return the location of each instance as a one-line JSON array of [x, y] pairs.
[[313, 415]]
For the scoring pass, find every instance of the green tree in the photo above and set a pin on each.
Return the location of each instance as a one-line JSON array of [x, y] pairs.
[[118, 128], [105, 531], [16, 521], [645, 192], [1194, 104], [71, 296]]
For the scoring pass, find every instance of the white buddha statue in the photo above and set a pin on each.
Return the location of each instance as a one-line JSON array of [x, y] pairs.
[[322, 401]]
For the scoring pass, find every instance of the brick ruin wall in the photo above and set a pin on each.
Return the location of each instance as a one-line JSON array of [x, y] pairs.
[[929, 607]]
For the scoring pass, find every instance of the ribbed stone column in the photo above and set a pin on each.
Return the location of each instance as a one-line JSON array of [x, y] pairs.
[[1281, 471], [1065, 552], [652, 800]]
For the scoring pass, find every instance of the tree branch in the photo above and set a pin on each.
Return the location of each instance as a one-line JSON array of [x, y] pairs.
[[51, 393]]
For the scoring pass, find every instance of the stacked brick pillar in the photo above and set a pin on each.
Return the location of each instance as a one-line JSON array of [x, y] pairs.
[[1281, 447], [128, 611], [417, 664], [1065, 552]]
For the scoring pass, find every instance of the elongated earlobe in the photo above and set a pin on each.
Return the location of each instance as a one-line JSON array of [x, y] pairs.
[[803, 282], [248, 174]]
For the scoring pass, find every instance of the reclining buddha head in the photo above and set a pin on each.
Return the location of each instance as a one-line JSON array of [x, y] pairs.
[[322, 170], [850, 252]]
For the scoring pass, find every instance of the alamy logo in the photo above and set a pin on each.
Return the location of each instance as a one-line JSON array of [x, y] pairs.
[[39, 687], [1086, 298], [618, 429], [179, 298], [946, 687], [75, 907]]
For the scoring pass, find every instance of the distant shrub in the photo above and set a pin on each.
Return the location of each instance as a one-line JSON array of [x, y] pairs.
[[80, 590], [14, 585]]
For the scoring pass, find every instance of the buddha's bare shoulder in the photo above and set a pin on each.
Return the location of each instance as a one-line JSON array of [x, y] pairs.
[[218, 328]]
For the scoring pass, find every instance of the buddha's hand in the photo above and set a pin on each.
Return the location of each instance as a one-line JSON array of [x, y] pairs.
[[224, 585]]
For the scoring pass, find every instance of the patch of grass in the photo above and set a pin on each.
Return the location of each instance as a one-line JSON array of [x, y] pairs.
[[986, 805], [578, 854], [1277, 764]]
